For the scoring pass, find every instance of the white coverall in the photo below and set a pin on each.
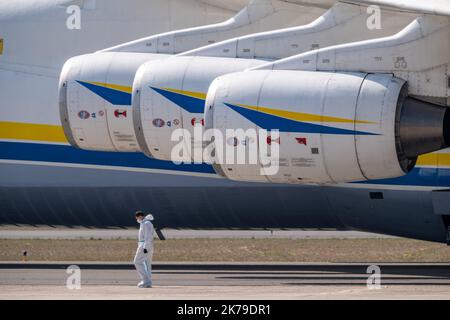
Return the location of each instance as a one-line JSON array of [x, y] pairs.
[[143, 261]]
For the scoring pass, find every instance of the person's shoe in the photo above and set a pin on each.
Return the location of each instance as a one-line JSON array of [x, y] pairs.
[[140, 284], [144, 285]]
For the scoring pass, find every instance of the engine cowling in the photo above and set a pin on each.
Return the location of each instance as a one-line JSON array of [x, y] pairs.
[[95, 100], [169, 95], [333, 127]]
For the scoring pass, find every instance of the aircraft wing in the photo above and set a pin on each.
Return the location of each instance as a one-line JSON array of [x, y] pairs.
[[437, 7]]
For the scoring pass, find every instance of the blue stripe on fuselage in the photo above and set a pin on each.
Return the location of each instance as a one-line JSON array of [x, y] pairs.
[[438, 177], [68, 154]]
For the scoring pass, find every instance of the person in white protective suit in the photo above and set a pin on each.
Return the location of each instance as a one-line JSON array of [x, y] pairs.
[[144, 253]]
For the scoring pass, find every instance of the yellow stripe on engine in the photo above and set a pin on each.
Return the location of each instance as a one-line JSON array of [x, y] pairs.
[[32, 132], [117, 87], [1, 46], [192, 94], [299, 116]]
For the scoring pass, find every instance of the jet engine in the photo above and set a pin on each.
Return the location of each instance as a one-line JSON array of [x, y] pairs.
[[327, 127], [95, 100], [169, 95]]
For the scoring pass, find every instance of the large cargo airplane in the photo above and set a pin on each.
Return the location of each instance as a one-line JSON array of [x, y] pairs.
[[357, 89]]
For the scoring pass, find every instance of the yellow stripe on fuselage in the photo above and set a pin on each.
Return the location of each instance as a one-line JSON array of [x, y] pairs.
[[55, 134], [117, 87], [31, 132], [192, 94], [434, 159], [299, 116]]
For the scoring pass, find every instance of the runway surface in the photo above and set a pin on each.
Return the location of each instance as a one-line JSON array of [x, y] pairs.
[[12, 232], [226, 281]]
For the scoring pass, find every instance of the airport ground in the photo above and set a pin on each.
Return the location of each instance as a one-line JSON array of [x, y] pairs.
[[331, 250], [222, 265], [223, 281], [45, 243]]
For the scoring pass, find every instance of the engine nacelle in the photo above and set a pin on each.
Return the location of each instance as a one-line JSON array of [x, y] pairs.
[[333, 127], [95, 100], [169, 95]]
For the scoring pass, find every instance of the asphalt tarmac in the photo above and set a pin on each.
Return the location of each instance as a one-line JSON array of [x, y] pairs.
[[226, 281]]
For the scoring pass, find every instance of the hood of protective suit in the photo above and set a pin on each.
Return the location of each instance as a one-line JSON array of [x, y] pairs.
[[148, 217]]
